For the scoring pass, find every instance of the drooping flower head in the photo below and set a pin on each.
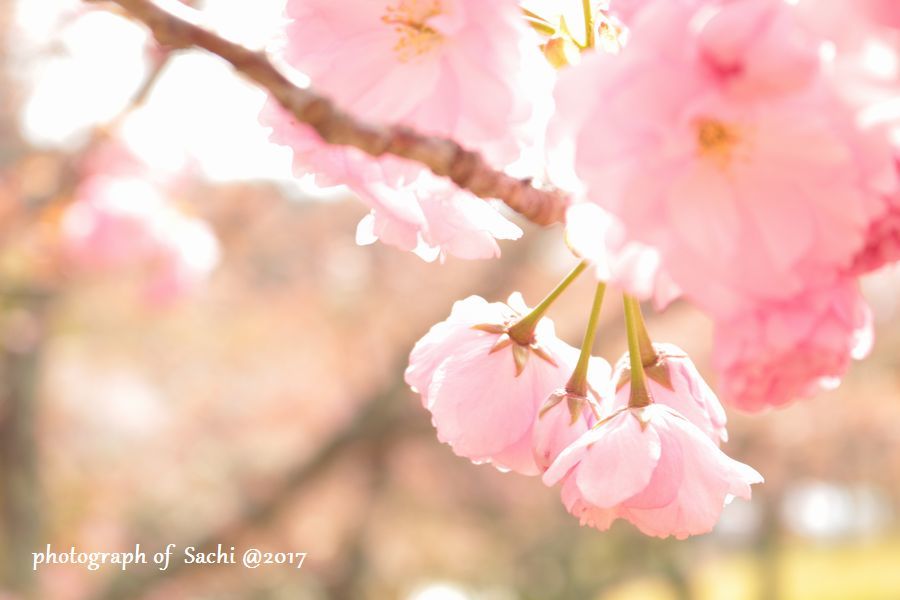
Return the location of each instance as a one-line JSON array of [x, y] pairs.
[[653, 468], [482, 387], [565, 415], [674, 381]]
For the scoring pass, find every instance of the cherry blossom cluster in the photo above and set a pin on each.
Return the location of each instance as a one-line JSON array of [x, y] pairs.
[[639, 442], [741, 143], [741, 155]]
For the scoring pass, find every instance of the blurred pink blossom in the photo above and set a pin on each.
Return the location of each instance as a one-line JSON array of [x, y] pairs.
[[883, 12], [787, 350], [714, 133], [125, 223], [882, 240], [653, 468]]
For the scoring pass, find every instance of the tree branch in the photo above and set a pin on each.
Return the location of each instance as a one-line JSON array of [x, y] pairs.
[[175, 25]]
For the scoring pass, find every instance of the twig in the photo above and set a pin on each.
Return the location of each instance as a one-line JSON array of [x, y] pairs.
[[175, 25]]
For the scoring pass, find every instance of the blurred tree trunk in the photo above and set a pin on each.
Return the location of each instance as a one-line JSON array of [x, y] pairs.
[[21, 345]]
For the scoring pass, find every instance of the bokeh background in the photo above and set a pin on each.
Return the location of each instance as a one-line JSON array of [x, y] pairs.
[[266, 407]]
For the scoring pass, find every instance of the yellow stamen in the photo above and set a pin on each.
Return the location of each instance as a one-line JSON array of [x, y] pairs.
[[408, 19], [716, 140]]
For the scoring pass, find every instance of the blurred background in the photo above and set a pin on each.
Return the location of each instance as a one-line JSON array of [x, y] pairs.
[[251, 393]]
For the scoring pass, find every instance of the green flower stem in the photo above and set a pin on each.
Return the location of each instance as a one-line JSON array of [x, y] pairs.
[[578, 382], [522, 332], [640, 393], [648, 353], [588, 23]]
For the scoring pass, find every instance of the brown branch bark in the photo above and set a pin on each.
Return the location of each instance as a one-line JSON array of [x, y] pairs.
[[175, 25]]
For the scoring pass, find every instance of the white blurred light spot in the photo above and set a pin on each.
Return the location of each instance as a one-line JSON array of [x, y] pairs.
[[101, 64], [38, 21], [250, 23], [829, 511], [199, 106], [118, 403], [439, 591], [827, 51], [200, 111], [880, 59]]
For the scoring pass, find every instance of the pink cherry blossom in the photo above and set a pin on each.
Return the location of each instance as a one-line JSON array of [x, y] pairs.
[[782, 351], [465, 69], [125, 224], [411, 208], [882, 246], [483, 389], [714, 132], [674, 381], [653, 468], [433, 218], [457, 68], [565, 416], [882, 240]]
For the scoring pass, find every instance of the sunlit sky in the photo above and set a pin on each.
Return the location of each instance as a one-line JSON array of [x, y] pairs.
[[81, 66]]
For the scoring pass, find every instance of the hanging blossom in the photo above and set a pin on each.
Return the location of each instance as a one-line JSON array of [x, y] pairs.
[[651, 467], [782, 351], [462, 69], [484, 388], [714, 132], [674, 381], [565, 416]]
